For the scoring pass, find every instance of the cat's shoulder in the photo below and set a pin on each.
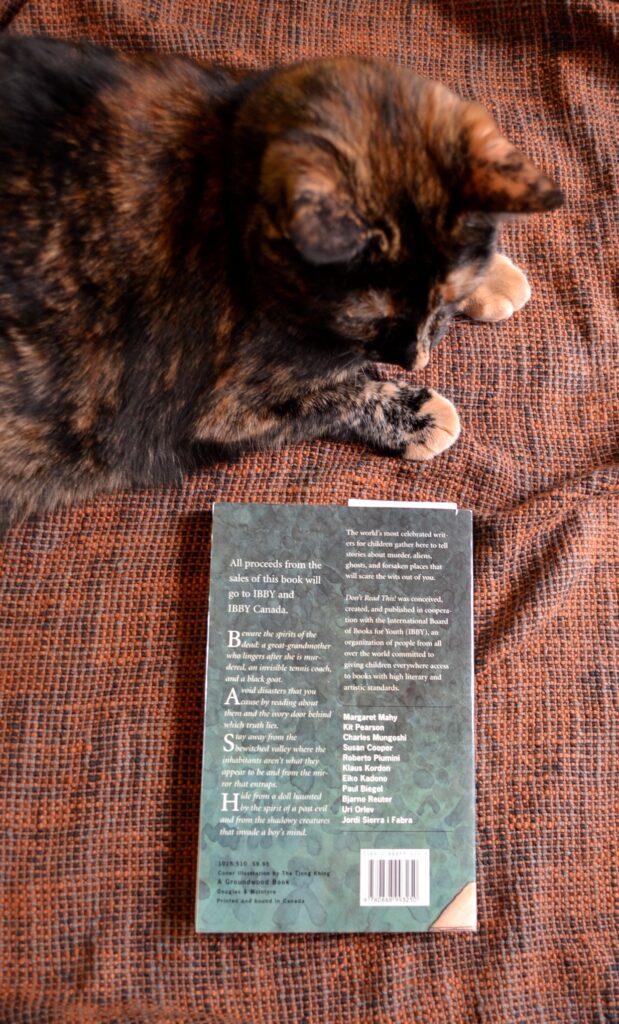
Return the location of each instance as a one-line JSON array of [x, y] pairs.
[[39, 55], [39, 72], [48, 84], [43, 81]]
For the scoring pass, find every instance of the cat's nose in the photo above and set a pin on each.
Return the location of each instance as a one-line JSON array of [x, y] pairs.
[[438, 333], [422, 358], [429, 335]]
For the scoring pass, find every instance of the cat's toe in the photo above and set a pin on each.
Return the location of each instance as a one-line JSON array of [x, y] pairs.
[[503, 291], [487, 307], [519, 288], [439, 428]]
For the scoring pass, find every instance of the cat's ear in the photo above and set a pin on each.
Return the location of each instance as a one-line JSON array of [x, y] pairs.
[[312, 201], [498, 178]]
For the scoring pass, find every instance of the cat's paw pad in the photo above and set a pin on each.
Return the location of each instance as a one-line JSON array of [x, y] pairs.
[[503, 291], [439, 428]]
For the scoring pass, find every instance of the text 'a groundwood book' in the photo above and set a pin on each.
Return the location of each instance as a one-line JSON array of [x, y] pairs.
[[338, 779]]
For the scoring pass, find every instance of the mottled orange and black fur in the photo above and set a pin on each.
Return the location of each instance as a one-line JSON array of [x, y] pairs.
[[193, 263]]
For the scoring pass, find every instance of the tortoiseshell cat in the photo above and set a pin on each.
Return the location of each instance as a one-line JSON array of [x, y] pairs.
[[194, 263]]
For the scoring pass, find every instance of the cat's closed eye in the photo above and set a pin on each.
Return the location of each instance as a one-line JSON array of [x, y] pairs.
[[364, 312]]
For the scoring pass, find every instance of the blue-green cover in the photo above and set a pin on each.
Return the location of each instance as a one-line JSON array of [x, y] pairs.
[[338, 772]]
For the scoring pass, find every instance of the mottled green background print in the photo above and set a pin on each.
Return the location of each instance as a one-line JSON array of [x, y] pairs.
[[433, 782]]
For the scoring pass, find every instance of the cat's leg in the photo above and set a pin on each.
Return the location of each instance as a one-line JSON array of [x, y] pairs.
[[502, 291], [400, 418], [414, 422]]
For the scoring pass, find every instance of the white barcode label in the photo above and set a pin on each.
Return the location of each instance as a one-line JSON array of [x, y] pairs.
[[394, 878]]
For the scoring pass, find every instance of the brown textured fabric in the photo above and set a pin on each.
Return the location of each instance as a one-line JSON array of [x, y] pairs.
[[104, 607]]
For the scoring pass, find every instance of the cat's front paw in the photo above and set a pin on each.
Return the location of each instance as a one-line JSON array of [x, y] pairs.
[[503, 290], [437, 428]]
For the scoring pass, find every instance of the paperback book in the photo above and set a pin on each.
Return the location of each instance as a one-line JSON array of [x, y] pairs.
[[338, 770]]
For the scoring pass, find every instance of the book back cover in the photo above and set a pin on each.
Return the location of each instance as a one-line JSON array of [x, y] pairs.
[[338, 781]]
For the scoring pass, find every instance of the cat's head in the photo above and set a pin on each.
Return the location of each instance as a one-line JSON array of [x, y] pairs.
[[374, 202]]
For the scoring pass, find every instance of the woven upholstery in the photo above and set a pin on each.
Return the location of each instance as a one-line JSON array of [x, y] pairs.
[[104, 607]]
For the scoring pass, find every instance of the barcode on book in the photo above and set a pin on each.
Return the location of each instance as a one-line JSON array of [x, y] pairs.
[[394, 878]]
